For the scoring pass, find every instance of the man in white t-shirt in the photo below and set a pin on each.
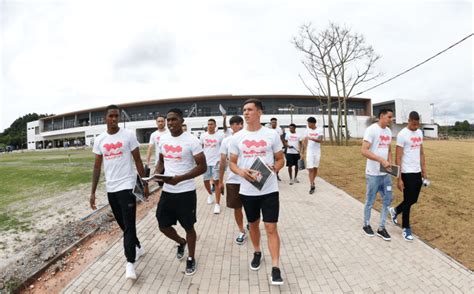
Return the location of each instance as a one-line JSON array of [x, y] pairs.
[[155, 139], [211, 143], [313, 137], [181, 157], [249, 144], [411, 159], [293, 147], [274, 126], [115, 149], [233, 181], [376, 148]]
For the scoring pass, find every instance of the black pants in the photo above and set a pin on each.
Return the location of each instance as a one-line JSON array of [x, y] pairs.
[[412, 183], [124, 208]]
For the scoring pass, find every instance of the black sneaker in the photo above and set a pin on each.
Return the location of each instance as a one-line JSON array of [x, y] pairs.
[[257, 258], [248, 227], [382, 233], [368, 230], [190, 266], [180, 251], [276, 276], [311, 191]]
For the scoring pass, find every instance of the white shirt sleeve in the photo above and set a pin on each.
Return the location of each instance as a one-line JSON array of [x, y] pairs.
[[223, 149], [196, 146], [401, 139], [233, 146], [277, 146], [152, 139], [368, 136], [96, 148]]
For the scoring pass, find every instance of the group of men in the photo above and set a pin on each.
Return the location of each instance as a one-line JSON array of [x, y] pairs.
[[183, 157]]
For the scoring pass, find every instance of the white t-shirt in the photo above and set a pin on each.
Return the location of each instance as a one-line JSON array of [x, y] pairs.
[[293, 140], [247, 145], [380, 141], [178, 156], [155, 140], [116, 151], [411, 142], [278, 130], [211, 145], [228, 132], [231, 177], [313, 148]]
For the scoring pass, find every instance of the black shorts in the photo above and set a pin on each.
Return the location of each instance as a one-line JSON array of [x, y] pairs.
[[268, 204], [292, 159], [175, 207]]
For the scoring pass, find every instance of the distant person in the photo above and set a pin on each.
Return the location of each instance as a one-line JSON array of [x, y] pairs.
[[293, 147], [181, 156], [274, 126], [376, 147], [211, 143], [313, 137], [155, 139], [115, 148], [411, 159], [252, 142], [185, 128], [232, 183]]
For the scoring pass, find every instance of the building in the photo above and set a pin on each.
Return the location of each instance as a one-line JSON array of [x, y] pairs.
[[83, 126], [402, 108]]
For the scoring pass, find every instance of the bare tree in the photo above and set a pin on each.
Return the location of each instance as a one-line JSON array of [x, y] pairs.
[[338, 61]]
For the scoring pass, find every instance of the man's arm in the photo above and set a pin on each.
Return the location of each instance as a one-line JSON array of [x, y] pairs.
[[398, 161], [222, 165], [365, 150], [138, 162], [423, 162], [244, 173], [224, 123], [160, 165], [148, 154], [279, 161], [198, 170], [95, 179]]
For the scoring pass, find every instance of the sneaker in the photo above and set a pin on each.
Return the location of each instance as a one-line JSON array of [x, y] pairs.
[[139, 252], [291, 182], [296, 180], [180, 251], [311, 191], [276, 276], [257, 258], [368, 230], [241, 238], [130, 271], [210, 199], [278, 178], [407, 234], [190, 266], [217, 209], [393, 215], [382, 233]]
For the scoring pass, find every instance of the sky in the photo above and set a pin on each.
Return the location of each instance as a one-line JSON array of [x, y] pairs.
[[64, 56]]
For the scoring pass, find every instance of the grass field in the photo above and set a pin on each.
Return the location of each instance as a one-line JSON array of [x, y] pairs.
[[443, 214]]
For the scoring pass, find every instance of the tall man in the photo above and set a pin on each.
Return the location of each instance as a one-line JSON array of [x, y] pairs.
[[313, 137], [293, 147], [376, 148], [115, 148], [211, 142], [233, 181], [411, 158], [274, 126], [252, 142], [182, 158]]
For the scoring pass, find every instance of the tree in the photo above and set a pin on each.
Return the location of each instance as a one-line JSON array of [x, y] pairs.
[[338, 61], [15, 135]]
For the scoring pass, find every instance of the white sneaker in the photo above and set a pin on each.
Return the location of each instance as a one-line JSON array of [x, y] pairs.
[[210, 199], [139, 252], [292, 182], [130, 271], [217, 209], [296, 180]]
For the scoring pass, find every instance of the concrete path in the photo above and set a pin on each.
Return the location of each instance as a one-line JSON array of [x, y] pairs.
[[323, 249]]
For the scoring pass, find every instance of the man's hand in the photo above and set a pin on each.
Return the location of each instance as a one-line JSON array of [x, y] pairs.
[[92, 201], [173, 181], [400, 185], [146, 191], [247, 174], [386, 164], [423, 174]]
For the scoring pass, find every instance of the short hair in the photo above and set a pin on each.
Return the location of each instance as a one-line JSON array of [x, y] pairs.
[[257, 103], [384, 111], [236, 120], [292, 125], [414, 116], [184, 125], [112, 106], [273, 119], [311, 119], [212, 120], [177, 111], [160, 115]]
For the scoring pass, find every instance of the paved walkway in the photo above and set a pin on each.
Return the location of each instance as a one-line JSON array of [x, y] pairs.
[[323, 249]]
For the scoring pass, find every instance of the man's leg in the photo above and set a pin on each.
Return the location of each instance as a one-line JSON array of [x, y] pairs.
[[217, 191], [191, 240], [239, 219], [311, 176], [273, 242], [371, 192], [128, 206], [387, 198], [207, 185], [296, 170], [171, 233], [255, 235], [290, 172]]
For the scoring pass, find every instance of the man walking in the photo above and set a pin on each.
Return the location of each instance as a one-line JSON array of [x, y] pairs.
[[115, 148], [249, 144], [313, 137], [411, 158], [293, 147], [376, 148], [211, 142], [155, 139], [233, 181], [182, 158]]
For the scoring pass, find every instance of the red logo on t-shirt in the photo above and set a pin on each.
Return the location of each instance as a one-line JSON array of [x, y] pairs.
[[210, 143], [172, 152], [113, 150], [254, 148], [416, 142], [384, 141], [313, 134]]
